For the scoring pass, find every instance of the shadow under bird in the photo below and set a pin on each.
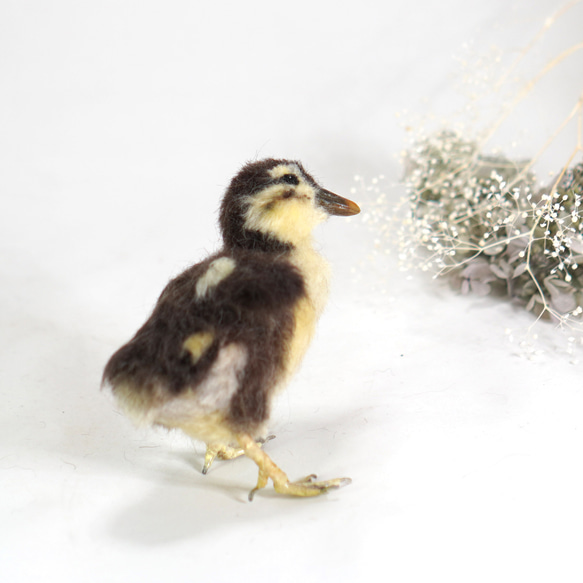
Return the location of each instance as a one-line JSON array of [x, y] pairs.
[[227, 334]]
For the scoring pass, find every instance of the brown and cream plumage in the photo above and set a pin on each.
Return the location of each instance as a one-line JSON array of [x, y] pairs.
[[229, 332]]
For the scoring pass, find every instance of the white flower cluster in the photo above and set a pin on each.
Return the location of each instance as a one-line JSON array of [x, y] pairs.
[[482, 221]]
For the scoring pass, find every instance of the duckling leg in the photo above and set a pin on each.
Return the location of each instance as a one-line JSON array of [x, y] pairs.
[[268, 469], [226, 452], [223, 452]]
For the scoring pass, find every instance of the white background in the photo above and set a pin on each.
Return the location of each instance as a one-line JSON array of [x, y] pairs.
[[121, 124]]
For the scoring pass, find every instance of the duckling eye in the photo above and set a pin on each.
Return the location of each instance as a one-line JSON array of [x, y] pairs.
[[290, 179]]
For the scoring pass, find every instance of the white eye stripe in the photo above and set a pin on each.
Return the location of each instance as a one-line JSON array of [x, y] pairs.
[[284, 169]]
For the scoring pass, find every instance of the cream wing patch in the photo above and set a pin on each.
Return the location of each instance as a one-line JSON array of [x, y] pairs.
[[197, 344], [218, 270]]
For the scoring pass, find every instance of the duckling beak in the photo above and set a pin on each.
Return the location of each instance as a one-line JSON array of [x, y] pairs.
[[336, 205]]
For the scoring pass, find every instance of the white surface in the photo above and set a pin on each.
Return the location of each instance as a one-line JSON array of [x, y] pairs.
[[122, 122]]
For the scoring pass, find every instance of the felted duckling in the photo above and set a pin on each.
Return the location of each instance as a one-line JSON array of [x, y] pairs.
[[227, 334]]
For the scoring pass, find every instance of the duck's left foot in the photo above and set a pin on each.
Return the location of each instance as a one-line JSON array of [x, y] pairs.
[[307, 487]]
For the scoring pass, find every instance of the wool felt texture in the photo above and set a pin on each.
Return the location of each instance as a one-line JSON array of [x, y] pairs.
[[251, 306], [251, 179], [229, 332]]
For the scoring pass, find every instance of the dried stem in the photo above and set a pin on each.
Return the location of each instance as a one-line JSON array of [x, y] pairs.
[[546, 26]]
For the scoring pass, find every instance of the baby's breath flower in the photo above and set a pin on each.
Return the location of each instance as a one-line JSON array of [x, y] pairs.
[[482, 221]]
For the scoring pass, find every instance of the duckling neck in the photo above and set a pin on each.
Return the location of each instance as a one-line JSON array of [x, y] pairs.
[[315, 272], [256, 241]]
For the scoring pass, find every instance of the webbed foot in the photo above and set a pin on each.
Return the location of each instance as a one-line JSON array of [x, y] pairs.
[[281, 483]]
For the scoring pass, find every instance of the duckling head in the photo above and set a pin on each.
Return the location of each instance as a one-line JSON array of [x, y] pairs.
[[275, 204]]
